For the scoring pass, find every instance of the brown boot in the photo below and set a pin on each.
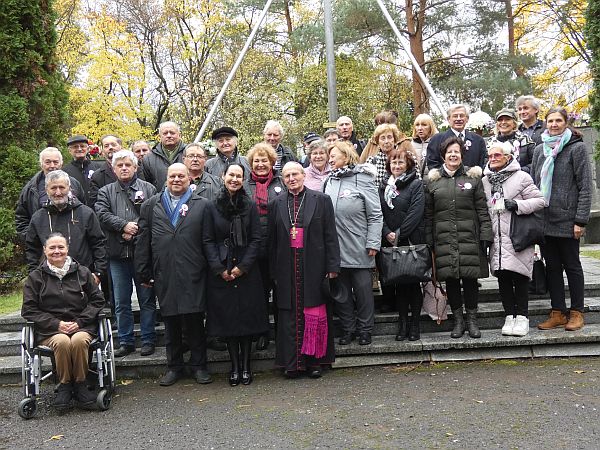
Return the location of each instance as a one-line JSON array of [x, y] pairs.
[[557, 319], [575, 321]]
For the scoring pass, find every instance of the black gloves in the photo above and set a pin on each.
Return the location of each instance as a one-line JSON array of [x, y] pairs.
[[511, 205], [485, 246]]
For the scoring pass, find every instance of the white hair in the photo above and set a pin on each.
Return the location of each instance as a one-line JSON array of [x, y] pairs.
[[124, 154], [168, 124], [57, 175], [273, 124], [50, 150], [528, 98], [456, 106]]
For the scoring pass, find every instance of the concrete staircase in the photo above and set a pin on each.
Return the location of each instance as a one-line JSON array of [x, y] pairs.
[[435, 344]]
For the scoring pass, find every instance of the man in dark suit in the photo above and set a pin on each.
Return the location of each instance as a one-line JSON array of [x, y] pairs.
[[303, 250], [476, 154]]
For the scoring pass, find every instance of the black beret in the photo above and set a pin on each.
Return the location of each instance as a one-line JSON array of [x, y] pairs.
[[77, 138], [223, 131]]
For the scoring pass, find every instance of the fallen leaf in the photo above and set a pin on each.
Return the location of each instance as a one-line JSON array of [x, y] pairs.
[[449, 434], [579, 371], [478, 401], [126, 382], [57, 437], [200, 400]]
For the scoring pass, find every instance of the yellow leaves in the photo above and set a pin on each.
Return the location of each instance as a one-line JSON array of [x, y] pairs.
[[56, 437]]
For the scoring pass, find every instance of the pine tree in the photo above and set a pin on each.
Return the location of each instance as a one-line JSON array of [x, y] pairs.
[[32, 103], [592, 34]]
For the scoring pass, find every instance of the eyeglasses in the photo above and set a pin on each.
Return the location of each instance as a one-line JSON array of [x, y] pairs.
[[195, 157], [495, 155]]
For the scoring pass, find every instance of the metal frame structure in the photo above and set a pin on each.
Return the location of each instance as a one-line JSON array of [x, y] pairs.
[[331, 80]]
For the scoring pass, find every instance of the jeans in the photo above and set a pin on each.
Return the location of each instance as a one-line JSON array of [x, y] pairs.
[[122, 273]]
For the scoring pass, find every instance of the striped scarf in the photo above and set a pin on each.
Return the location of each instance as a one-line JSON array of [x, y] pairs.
[[552, 146]]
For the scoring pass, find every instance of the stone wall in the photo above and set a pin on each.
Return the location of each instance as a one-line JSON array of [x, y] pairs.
[[592, 234]]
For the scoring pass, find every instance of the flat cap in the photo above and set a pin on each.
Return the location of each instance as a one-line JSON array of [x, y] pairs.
[[77, 138], [223, 131], [311, 137]]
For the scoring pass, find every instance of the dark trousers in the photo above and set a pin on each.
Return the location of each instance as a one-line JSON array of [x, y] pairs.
[[514, 292], [192, 325], [563, 254], [405, 296], [470, 290], [263, 267]]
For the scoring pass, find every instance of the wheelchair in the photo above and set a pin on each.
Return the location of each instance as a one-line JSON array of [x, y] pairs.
[[101, 366]]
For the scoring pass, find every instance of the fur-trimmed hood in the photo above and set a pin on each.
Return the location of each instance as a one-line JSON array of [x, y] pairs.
[[472, 172]]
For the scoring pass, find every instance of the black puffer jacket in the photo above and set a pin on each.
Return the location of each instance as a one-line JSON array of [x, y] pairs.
[[78, 224], [82, 171], [456, 221], [48, 300]]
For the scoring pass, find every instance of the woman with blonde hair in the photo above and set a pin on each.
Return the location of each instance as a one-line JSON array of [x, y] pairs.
[[423, 129], [385, 138]]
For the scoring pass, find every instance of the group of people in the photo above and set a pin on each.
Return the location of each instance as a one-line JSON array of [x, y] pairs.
[[214, 240]]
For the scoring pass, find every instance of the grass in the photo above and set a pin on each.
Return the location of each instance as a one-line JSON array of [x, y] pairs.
[[11, 302], [591, 253]]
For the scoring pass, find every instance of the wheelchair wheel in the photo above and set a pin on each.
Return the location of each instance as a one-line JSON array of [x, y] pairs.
[[103, 400], [27, 408]]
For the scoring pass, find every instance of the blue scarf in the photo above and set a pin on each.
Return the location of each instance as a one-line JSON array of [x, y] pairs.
[[179, 211], [552, 146]]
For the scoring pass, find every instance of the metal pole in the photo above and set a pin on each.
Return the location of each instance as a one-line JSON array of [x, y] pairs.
[[406, 45], [330, 53], [234, 69]]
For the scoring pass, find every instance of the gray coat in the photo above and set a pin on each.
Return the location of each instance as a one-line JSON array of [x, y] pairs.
[[518, 187], [115, 207], [358, 217], [208, 186], [571, 195]]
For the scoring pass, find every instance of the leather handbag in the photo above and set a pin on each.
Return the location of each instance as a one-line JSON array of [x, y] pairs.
[[539, 283], [526, 230], [405, 264]]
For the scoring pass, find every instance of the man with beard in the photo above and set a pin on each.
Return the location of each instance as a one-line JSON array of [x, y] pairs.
[[77, 222]]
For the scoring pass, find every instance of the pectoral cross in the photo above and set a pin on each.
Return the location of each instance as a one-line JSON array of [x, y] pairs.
[[294, 232]]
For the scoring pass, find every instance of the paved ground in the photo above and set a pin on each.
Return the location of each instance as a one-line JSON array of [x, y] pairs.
[[538, 403]]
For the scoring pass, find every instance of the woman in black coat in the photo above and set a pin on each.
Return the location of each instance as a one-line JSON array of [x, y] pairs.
[[233, 239], [403, 206]]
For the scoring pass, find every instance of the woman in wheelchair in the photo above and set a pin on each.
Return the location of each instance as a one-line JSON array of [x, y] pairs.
[[63, 300]]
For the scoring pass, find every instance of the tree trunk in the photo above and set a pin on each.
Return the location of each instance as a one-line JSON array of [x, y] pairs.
[[414, 24], [510, 20]]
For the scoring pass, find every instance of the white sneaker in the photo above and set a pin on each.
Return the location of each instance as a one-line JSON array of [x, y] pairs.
[[521, 327], [509, 323]]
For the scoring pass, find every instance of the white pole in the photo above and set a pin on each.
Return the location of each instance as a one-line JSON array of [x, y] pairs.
[[406, 45], [234, 69], [330, 51]]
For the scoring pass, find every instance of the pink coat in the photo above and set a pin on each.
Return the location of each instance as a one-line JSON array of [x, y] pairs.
[[518, 187]]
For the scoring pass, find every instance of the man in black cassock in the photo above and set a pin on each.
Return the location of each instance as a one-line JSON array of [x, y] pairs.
[[303, 251]]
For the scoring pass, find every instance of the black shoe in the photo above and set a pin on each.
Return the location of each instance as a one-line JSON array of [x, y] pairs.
[[83, 395], [63, 397], [215, 344], [292, 374], [414, 334], [346, 339], [170, 378], [124, 350], [147, 349], [364, 339], [234, 378], [262, 343], [459, 323], [247, 377], [402, 328], [202, 376], [315, 372], [471, 324]]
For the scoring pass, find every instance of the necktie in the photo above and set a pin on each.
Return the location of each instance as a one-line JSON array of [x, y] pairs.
[[461, 135]]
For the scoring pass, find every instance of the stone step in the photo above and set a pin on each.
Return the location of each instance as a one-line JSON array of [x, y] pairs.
[[490, 316], [433, 347]]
